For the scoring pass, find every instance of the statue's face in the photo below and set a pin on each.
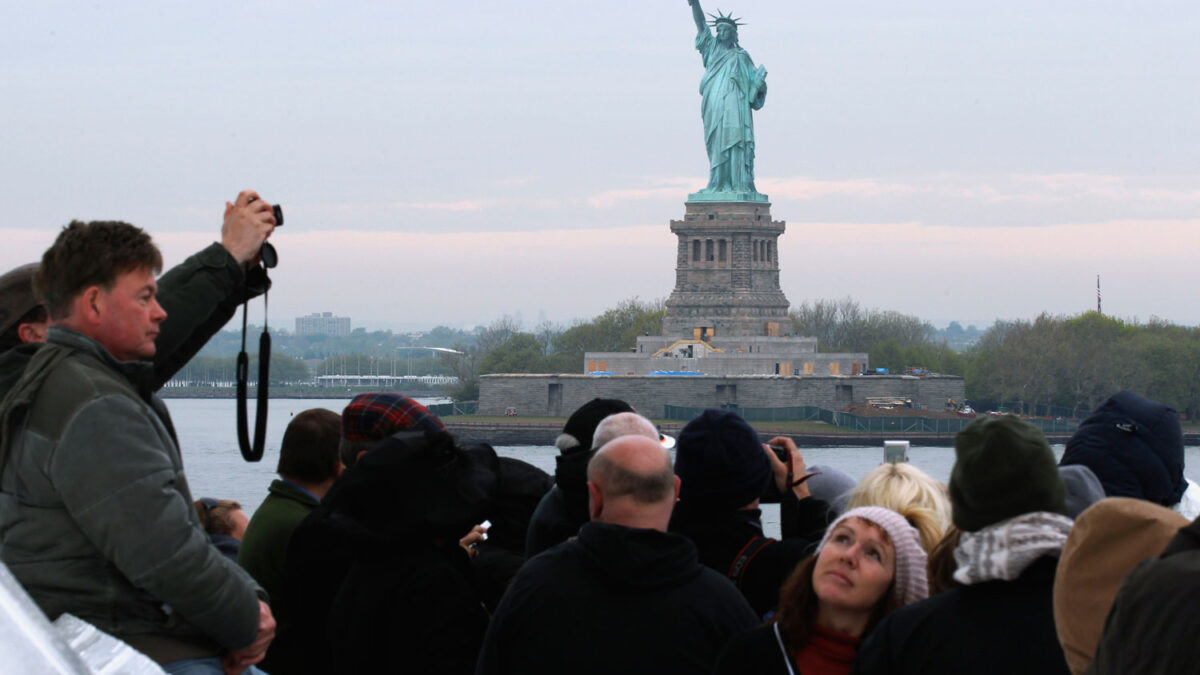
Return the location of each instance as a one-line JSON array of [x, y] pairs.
[[726, 32]]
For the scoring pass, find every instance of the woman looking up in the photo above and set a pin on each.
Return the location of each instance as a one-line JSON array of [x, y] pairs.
[[869, 563]]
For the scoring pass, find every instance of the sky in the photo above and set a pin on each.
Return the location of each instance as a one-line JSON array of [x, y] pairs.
[[453, 163]]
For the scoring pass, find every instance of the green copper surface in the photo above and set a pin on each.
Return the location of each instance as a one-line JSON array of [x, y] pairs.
[[731, 88]]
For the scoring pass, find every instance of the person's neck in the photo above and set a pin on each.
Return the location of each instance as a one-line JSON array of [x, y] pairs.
[[847, 622], [318, 490], [637, 517]]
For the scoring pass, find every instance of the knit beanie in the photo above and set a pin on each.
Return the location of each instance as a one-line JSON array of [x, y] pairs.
[[375, 416], [720, 462], [1003, 468], [911, 583], [1134, 446], [1083, 488], [583, 422]]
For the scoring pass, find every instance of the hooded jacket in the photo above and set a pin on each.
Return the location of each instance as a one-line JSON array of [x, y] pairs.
[[614, 600], [1105, 544], [374, 576], [1134, 446]]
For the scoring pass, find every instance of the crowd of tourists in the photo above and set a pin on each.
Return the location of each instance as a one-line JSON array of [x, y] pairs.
[[387, 545]]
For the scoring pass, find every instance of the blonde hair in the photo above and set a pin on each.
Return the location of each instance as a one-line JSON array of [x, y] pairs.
[[907, 490]]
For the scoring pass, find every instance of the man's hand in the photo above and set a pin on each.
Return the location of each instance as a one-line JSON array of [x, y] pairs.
[[472, 539], [240, 659], [249, 220], [798, 468]]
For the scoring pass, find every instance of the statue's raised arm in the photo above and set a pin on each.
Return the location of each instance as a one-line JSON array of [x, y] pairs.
[[731, 88], [698, 15]]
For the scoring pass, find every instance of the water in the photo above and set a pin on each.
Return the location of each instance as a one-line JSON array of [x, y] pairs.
[[208, 437]]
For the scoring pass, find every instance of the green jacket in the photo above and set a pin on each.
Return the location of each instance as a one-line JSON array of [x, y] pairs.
[[96, 517], [95, 510], [264, 546]]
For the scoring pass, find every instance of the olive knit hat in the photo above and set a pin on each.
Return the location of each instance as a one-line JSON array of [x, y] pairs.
[[1003, 468], [910, 583]]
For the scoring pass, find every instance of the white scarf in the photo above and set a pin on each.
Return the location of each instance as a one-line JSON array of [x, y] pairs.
[[1004, 550]]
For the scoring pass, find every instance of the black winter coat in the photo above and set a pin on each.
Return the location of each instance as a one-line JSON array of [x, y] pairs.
[[724, 538], [754, 653], [1000, 627], [1154, 623], [614, 600], [564, 509]]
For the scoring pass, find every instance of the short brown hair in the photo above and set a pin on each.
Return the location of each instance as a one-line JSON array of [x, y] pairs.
[[215, 514], [91, 254], [309, 451]]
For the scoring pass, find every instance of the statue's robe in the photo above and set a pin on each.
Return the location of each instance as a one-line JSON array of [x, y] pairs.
[[730, 89]]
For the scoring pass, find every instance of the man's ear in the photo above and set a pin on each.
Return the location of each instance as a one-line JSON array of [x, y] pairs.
[[595, 501], [678, 483], [91, 304], [31, 332]]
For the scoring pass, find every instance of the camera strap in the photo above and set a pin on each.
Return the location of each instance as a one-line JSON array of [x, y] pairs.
[[253, 453]]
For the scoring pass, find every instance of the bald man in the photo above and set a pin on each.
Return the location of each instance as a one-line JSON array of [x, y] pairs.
[[623, 424], [623, 581]]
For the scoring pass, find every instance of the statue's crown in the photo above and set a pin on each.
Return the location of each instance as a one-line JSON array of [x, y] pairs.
[[720, 18]]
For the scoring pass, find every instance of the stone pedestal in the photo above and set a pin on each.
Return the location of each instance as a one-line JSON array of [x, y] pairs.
[[727, 272]]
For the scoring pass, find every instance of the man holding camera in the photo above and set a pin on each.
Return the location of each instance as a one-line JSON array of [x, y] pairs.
[[96, 516], [199, 295], [726, 472]]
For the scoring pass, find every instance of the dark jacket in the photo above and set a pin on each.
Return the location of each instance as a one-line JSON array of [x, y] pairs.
[[614, 600], [96, 517], [733, 541], [564, 509], [1000, 627], [756, 652], [520, 487], [375, 580], [1153, 624], [1134, 446]]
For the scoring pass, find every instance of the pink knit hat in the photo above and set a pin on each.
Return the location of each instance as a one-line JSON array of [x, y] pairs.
[[911, 582]]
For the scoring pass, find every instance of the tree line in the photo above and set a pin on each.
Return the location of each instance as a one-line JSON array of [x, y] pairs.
[[1051, 365]]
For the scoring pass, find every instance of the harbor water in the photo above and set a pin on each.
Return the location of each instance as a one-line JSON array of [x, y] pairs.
[[208, 438]]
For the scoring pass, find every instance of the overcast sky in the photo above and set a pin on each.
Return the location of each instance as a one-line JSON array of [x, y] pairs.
[[450, 163]]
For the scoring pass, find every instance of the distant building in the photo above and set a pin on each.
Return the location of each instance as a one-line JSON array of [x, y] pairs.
[[323, 323]]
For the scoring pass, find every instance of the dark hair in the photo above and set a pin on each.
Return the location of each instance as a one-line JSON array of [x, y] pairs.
[[618, 481], [798, 606], [215, 514], [91, 254], [309, 451], [348, 450], [12, 337], [941, 565]]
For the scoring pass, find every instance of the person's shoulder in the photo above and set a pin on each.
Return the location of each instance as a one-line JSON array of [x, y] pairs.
[[753, 651], [78, 385]]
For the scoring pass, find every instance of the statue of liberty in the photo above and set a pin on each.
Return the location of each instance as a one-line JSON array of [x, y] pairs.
[[730, 89]]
